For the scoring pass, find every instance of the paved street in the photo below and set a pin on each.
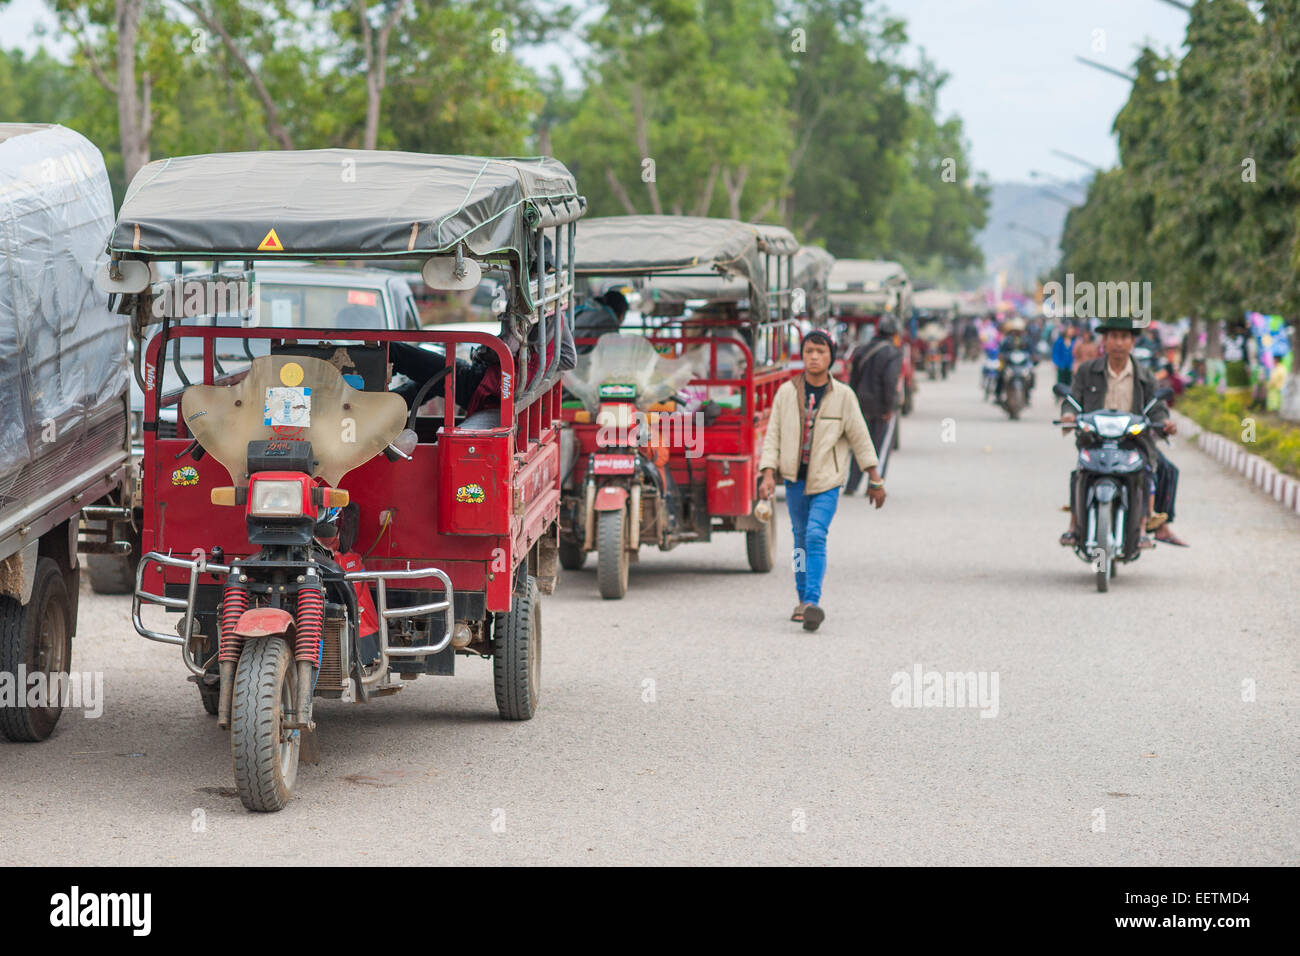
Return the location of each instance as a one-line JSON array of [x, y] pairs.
[[693, 723]]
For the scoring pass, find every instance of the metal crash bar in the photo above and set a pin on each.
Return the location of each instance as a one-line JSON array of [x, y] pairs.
[[199, 565]]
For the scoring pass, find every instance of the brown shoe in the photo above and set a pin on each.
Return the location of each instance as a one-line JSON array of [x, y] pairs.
[[813, 617], [798, 611]]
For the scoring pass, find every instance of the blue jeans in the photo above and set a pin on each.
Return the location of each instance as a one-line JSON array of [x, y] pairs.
[[810, 519]]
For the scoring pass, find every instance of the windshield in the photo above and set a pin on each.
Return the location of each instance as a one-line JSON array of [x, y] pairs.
[[321, 306], [627, 360], [293, 398]]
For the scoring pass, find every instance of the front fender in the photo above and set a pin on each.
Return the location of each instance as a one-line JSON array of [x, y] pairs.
[[264, 622], [610, 498]]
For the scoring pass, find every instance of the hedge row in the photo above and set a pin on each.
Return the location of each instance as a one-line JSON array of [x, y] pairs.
[[1275, 441]]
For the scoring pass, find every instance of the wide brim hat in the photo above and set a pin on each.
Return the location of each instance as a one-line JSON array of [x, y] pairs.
[[1117, 324]]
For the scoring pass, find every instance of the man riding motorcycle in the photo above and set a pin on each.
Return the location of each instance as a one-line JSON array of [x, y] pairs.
[[1014, 339], [1118, 381]]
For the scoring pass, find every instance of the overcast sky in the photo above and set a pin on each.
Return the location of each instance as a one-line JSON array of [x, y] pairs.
[[1014, 78]]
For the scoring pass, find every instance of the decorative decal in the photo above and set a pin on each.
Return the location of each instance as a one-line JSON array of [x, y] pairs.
[[186, 476], [470, 494], [291, 374], [271, 243], [287, 407]]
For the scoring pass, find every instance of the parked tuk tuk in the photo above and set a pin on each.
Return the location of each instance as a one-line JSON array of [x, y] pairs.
[[936, 312], [812, 275], [350, 502], [64, 448], [667, 414], [862, 292]]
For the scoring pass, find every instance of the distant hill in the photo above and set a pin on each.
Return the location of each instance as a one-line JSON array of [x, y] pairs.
[[1014, 210]]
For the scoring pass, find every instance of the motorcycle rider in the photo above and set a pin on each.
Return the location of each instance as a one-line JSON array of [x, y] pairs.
[[1116, 380], [1014, 339]]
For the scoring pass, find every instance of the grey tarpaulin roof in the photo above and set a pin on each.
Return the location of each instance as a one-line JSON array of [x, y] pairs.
[[686, 257], [869, 283], [340, 203], [812, 271], [62, 353]]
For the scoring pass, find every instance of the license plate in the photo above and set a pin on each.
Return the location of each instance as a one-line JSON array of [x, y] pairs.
[[613, 464]]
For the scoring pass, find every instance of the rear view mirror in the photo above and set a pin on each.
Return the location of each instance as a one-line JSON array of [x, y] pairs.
[[451, 273], [123, 276], [1061, 390], [1163, 394]]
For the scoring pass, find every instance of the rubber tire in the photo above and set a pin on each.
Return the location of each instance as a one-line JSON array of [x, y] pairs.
[[760, 546], [115, 573], [19, 636], [210, 696], [517, 655], [1015, 400], [611, 554], [572, 557], [1103, 542], [265, 665]]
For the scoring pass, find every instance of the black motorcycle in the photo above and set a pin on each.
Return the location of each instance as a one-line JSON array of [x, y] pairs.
[[1017, 381], [1110, 505]]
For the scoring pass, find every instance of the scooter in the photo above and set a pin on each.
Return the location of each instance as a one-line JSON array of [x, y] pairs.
[[1111, 502], [1018, 381]]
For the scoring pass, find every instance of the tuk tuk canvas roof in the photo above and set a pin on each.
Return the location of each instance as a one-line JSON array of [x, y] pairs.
[[62, 352], [865, 275], [812, 267], [689, 257], [340, 203]]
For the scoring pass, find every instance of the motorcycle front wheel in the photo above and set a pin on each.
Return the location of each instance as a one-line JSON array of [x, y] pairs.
[[265, 751], [1105, 558]]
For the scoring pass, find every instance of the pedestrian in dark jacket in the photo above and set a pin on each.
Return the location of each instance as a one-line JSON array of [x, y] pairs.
[[874, 370]]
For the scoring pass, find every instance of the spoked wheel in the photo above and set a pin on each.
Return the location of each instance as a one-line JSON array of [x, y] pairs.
[[517, 655], [36, 639], [611, 553], [266, 752], [760, 545], [1104, 561], [572, 557]]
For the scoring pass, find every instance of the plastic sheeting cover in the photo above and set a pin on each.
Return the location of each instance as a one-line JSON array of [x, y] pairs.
[[620, 359], [62, 353]]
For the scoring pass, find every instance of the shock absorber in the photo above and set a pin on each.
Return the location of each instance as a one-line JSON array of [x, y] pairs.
[[309, 622], [234, 603]]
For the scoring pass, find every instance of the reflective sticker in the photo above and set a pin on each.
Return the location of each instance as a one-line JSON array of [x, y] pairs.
[[359, 297], [271, 243], [186, 476], [471, 494], [287, 407]]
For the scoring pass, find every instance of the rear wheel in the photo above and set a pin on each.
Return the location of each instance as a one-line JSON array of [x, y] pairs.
[[265, 751], [517, 655], [760, 545], [36, 639], [572, 557], [611, 553]]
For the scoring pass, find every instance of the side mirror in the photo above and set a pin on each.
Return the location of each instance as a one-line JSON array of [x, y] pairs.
[[1061, 390], [1163, 394], [451, 273]]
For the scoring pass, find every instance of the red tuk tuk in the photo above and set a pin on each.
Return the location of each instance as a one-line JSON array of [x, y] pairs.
[[319, 507], [862, 292], [936, 313], [667, 414]]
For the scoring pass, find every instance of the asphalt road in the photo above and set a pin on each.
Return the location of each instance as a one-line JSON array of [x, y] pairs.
[[693, 723]]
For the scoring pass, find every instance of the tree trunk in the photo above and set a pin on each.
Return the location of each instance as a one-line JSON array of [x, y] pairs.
[[376, 65], [133, 122]]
